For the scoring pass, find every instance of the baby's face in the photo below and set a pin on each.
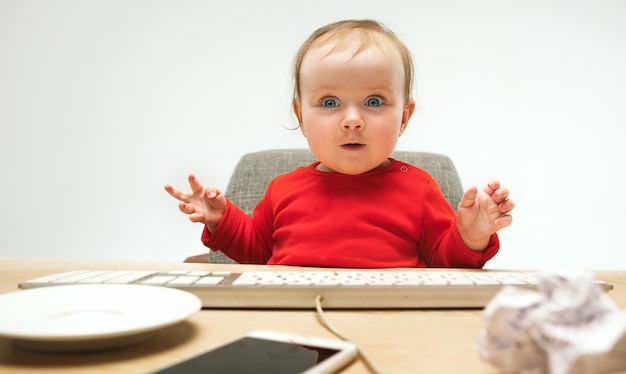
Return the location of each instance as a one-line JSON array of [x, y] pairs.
[[352, 108]]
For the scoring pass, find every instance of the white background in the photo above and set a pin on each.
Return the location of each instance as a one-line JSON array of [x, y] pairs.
[[104, 102]]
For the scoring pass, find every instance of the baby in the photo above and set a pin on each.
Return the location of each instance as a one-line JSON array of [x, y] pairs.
[[355, 207]]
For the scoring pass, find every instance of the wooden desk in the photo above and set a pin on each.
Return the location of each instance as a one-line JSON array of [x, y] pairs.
[[405, 341]]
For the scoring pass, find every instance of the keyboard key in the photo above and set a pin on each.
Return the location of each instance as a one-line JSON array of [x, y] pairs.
[[159, 279], [55, 277], [209, 281], [132, 277], [183, 280], [199, 273]]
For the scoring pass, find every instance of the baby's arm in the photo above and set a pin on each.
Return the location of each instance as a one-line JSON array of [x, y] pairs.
[[482, 213], [203, 204]]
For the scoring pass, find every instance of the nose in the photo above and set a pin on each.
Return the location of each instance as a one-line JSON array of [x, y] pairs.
[[352, 120]]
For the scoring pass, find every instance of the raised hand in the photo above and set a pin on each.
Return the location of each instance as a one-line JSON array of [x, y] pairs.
[[482, 213], [204, 204]]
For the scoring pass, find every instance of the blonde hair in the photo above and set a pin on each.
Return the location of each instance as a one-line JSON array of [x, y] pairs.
[[359, 35]]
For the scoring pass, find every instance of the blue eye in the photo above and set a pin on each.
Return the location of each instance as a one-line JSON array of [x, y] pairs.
[[374, 101], [330, 103]]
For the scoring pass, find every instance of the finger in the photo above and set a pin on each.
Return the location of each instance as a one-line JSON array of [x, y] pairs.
[[195, 185], [491, 187], [469, 197], [503, 221], [506, 206], [186, 208], [170, 190], [196, 217], [175, 193], [212, 193], [501, 194]]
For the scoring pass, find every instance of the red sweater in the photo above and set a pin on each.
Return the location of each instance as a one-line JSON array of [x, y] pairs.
[[394, 216]]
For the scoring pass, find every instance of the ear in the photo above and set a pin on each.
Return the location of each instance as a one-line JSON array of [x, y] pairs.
[[297, 110], [407, 112]]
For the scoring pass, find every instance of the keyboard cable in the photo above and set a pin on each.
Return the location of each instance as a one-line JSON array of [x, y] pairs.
[[367, 359]]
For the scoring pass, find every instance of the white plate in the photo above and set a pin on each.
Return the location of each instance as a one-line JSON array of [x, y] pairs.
[[91, 317]]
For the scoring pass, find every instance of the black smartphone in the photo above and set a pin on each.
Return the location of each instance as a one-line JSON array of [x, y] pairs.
[[269, 352]]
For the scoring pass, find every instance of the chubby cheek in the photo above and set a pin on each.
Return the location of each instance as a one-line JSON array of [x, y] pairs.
[[317, 138], [321, 140], [385, 142], [385, 128], [318, 127]]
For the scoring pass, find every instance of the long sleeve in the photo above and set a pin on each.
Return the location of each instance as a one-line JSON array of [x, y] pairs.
[[440, 244], [240, 237], [390, 217]]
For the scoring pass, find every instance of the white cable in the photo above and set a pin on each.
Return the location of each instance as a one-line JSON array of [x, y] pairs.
[[369, 362]]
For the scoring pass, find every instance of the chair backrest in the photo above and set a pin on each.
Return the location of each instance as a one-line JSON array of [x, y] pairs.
[[255, 170]]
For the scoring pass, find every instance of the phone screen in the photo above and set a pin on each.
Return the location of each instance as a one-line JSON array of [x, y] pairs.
[[252, 355]]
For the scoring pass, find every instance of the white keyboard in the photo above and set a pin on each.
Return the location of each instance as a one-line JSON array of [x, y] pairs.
[[340, 289]]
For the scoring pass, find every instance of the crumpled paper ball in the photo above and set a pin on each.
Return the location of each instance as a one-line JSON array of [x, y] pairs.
[[569, 325]]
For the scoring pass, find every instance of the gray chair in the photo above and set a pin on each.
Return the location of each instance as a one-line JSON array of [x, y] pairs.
[[255, 170]]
